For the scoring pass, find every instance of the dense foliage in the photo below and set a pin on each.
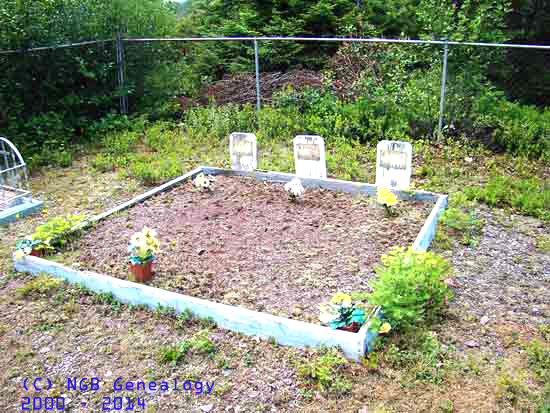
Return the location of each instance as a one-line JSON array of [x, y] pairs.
[[50, 98], [53, 99]]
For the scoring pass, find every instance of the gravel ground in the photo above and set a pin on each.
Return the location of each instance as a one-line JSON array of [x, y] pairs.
[[504, 280], [502, 296]]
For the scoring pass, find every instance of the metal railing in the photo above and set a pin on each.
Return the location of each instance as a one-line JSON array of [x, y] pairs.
[[13, 175]]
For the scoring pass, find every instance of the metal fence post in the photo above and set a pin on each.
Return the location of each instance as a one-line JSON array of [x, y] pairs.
[[257, 63], [120, 62], [443, 86]]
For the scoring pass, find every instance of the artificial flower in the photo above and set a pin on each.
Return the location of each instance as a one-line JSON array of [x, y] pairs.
[[20, 255], [342, 299], [295, 188], [143, 245], [327, 313], [384, 328], [202, 181], [386, 197]]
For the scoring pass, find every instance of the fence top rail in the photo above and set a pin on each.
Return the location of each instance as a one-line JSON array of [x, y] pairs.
[[279, 38], [335, 39], [59, 46]]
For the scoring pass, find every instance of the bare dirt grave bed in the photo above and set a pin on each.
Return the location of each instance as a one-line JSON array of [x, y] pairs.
[[246, 244]]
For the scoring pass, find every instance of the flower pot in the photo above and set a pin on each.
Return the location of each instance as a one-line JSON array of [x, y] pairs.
[[353, 328], [142, 272], [37, 253]]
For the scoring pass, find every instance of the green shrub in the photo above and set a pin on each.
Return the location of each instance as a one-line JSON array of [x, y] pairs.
[[517, 128], [58, 230], [410, 287]]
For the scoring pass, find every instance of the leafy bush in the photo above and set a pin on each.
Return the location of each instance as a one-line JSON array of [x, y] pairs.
[[50, 98], [57, 231], [514, 127], [410, 287]]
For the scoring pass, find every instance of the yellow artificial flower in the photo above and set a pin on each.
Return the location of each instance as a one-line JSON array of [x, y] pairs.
[[386, 197], [384, 328], [19, 255], [200, 181], [341, 298]]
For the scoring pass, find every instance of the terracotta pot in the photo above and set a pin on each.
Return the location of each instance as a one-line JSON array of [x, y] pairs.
[[142, 272], [37, 253], [353, 328]]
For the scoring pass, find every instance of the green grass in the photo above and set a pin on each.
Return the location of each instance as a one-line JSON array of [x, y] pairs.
[[325, 370], [456, 223], [40, 285], [529, 196], [164, 150], [156, 152]]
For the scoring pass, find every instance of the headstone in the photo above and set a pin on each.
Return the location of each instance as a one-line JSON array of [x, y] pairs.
[[393, 164], [243, 151], [309, 156]]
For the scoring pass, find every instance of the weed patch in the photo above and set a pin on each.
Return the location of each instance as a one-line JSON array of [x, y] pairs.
[[40, 285], [200, 343], [455, 223], [543, 244], [419, 355], [538, 358], [529, 196], [511, 388], [324, 369]]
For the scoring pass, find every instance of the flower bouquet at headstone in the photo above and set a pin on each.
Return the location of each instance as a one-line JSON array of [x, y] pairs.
[[204, 182], [388, 200], [143, 246], [295, 189]]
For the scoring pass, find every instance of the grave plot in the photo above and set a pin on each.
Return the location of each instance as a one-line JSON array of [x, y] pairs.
[[227, 245], [245, 244]]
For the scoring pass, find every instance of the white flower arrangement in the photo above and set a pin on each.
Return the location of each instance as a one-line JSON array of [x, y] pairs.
[[203, 181], [295, 189], [143, 245]]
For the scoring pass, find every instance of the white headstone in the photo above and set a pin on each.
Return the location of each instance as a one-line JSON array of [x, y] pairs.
[[243, 151], [309, 156], [393, 164]]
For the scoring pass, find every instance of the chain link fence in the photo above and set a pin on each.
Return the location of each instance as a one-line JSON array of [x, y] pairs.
[[125, 73]]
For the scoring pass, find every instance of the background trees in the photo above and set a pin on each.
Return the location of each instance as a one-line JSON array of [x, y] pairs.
[[54, 98]]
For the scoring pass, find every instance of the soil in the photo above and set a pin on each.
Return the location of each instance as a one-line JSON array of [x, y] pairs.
[[247, 244]]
